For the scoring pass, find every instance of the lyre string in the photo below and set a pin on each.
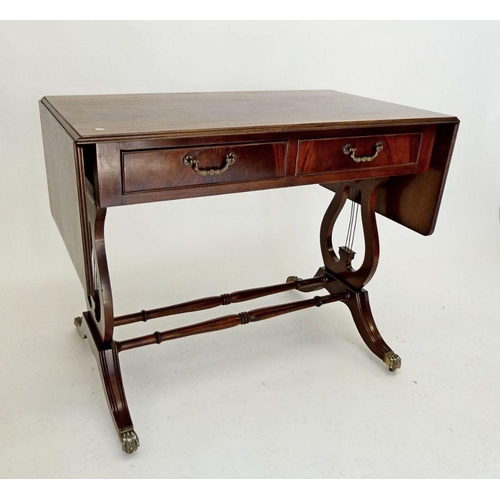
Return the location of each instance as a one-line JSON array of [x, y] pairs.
[[349, 227], [353, 221]]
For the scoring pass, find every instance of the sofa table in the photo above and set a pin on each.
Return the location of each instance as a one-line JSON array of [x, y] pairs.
[[109, 150]]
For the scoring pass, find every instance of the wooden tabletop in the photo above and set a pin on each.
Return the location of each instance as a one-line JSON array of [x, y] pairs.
[[107, 117]]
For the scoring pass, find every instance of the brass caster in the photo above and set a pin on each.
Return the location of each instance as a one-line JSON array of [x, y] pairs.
[[130, 441], [392, 360], [78, 324], [291, 279]]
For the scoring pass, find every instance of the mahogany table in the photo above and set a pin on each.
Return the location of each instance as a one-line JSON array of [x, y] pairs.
[[110, 150]]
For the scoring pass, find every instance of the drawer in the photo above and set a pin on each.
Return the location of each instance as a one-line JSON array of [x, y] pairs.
[[196, 166], [348, 154]]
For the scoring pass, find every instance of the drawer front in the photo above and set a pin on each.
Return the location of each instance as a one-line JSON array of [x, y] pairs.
[[196, 166], [349, 154]]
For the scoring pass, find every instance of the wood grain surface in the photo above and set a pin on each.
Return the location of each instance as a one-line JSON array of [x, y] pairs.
[[108, 117]]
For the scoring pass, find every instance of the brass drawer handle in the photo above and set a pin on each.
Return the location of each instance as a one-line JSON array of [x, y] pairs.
[[191, 161], [350, 151]]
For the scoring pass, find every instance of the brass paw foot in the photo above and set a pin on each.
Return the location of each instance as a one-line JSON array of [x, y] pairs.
[[78, 323], [392, 360], [130, 441]]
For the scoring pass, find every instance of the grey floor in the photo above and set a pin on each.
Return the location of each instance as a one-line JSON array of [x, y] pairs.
[[295, 396]]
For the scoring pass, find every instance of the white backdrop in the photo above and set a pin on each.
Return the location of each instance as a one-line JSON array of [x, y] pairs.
[[435, 297]]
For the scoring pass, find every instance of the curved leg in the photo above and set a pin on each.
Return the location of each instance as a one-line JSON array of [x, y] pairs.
[[345, 277], [111, 378], [109, 368], [359, 305]]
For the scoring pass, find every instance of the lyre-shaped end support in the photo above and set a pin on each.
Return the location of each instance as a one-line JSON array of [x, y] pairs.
[[340, 265]]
